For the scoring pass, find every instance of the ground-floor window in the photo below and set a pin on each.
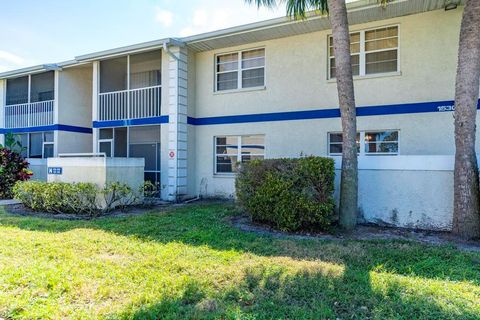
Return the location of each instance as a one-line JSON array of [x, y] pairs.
[[231, 150], [134, 142], [36, 144], [382, 142]]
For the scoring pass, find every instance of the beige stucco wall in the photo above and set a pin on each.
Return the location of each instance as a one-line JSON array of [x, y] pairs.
[[296, 70], [75, 96], [74, 142], [296, 79], [38, 168], [75, 109]]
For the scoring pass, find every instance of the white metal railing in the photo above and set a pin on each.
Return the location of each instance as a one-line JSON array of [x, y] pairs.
[[29, 114], [83, 155], [130, 104]]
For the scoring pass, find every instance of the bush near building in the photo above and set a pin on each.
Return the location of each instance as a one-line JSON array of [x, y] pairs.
[[13, 168], [81, 198], [288, 194]]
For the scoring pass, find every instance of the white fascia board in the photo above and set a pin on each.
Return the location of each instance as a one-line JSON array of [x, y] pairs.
[[22, 72], [144, 46]]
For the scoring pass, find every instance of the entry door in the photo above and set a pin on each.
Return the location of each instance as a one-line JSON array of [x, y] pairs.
[[151, 153]]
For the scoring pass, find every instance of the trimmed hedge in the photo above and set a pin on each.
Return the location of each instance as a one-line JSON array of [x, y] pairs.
[[81, 198], [13, 168], [288, 194]]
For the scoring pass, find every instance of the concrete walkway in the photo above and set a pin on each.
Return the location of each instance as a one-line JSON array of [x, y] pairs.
[[8, 202]]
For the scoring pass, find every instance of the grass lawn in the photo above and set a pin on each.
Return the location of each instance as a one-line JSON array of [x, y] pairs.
[[190, 263]]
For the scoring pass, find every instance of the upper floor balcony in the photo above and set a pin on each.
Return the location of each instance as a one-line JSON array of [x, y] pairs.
[[29, 101], [130, 87]]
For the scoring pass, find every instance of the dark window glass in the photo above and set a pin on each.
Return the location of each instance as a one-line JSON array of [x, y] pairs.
[[145, 69], [113, 75], [42, 87], [36, 145], [106, 147], [17, 91]]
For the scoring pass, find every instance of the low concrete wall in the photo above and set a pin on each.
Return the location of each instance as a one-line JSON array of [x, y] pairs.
[[39, 169], [404, 191], [98, 170]]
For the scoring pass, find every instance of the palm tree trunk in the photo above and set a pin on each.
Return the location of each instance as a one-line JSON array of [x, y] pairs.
[[346, 97], [466, 216]]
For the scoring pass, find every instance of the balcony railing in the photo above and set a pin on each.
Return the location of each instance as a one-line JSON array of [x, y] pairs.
[[29, 114], [130, 104]]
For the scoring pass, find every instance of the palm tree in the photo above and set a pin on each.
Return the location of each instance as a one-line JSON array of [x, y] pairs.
[[341, 45], [466, 204]]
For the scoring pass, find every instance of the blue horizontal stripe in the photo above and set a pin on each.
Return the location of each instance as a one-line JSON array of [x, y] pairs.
[[53, 127], [422, 107], [130, 122]]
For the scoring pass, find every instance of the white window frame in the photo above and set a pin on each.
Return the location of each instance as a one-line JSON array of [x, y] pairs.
[[239, 151], [46, 143], [363, 144], [112, 146], [240, 70], [363, 54]]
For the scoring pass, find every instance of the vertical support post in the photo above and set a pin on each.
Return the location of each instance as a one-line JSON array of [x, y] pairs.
[[177, 127], [362, 70], [3, 86], [128, 87], [29, 117], [95, 92], [56, 111]]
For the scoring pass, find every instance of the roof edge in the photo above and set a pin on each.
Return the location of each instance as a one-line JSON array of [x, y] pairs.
[[125, 49], [270, 23]]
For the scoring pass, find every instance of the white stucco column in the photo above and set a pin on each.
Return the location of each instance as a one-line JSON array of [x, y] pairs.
[[177, 127], [3, 85], [95, 91], [56, 110]]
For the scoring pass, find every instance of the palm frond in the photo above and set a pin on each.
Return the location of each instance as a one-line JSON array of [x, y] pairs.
[[264, 3], [299, 9]]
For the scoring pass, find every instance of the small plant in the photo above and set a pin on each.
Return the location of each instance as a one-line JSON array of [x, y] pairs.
[[13, 143], [119, 196], [289, 194], [13, 168], [151, 194]]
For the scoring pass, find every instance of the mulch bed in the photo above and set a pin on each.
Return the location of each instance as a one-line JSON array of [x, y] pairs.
[[20, 209], [363, 232]]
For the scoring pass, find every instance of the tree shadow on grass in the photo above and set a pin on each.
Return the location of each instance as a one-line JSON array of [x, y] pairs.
[[208, 225], [377, 282], [272, 294]]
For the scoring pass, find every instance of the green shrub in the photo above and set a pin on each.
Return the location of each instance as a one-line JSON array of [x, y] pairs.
[[289, 194], [80, 198], [13, 168], [58, 197]]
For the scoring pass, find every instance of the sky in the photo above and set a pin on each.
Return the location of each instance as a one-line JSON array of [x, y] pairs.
[[46, 31]]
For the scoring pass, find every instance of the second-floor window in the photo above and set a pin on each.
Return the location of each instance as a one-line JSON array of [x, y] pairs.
[[372, 51], [41, 87], [240, 70]]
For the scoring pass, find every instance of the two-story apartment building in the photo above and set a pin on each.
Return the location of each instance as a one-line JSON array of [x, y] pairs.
[[195, 107]]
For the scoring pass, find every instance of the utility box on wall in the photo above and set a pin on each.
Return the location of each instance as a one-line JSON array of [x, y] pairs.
[[97, 170]]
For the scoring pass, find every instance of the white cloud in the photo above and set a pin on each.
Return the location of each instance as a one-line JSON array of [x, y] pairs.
[[164, 17], [226, 14], [11, 58]]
